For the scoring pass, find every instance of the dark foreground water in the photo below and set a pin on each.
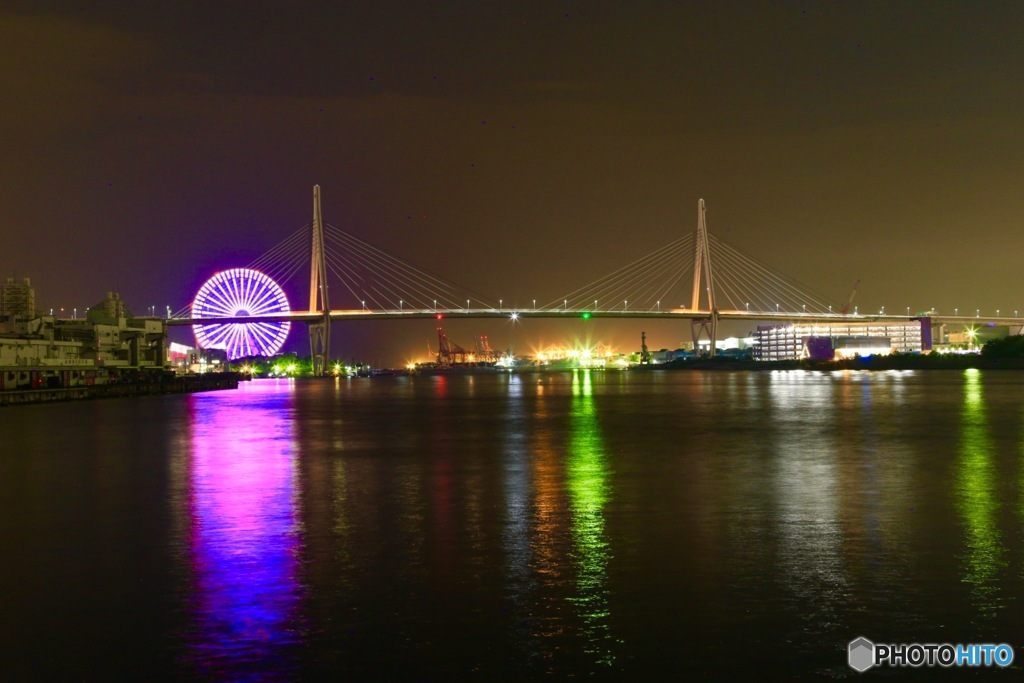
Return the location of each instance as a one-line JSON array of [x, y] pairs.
[[597, 525]]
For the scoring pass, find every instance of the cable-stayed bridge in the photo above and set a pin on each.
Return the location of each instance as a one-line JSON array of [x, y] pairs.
[[351, 279]]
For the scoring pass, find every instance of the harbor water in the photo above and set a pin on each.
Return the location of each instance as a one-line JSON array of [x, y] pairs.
[[597, 525]]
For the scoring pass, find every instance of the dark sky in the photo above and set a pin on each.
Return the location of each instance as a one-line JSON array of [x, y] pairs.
[[522, 149]]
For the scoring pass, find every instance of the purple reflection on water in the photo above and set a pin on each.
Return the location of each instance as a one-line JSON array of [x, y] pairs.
[[244, 533]]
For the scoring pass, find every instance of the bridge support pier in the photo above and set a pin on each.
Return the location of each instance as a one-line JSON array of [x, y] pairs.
[[320, 346], [705, 326], [319, 332], [702, 264]]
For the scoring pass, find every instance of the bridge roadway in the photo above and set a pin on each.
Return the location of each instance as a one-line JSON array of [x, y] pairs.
[[564, 314]]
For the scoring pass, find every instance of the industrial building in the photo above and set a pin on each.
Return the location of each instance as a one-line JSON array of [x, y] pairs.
[[973, 337], [838, 340]]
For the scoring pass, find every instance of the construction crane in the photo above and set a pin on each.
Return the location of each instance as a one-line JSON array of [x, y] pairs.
[[846, 308]]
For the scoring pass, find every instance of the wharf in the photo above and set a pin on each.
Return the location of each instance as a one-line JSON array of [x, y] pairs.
[[181, 385]]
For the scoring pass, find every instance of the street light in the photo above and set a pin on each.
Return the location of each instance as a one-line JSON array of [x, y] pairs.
[[435, 305], [956, 311], [908, 311], [401, 305], [535, 304], [977, 312], [364, 305], [625, 305], [501, 304], [748, 307], [565, 304], [659, 305]]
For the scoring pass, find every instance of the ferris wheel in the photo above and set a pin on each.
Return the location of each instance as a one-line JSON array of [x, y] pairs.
[[241, 292]]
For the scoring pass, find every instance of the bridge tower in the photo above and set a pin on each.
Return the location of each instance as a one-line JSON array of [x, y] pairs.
[[320, 331], [702, 264]]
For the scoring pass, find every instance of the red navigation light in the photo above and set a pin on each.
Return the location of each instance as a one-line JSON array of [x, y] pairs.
[[440, 316]]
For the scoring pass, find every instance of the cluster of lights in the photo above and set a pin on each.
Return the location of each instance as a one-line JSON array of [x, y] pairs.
[[506, 361], [339, 370], [584, 356], [288, 370]]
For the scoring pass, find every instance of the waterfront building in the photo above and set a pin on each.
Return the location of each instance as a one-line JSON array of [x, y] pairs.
[[973, 337], [823, 341], [189, 360], [108, 344]]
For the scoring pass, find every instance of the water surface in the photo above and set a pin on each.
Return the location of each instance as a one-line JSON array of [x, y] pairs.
[[590, 524]]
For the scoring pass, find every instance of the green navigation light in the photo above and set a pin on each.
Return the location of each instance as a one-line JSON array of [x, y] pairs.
[[585, 315]]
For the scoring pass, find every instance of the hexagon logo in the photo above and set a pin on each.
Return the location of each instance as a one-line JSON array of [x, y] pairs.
[[861, 654]]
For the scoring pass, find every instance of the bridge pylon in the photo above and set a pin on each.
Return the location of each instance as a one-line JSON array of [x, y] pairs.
[[319, 331], [702, 265]]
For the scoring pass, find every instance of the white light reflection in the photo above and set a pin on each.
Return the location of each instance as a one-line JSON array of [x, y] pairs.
[[806, 489]]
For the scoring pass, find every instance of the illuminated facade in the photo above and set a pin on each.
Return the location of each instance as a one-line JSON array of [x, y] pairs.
[[790, 342], [184, 359]]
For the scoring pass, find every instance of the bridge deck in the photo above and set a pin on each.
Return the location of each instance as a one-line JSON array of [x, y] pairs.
[[560, 314]]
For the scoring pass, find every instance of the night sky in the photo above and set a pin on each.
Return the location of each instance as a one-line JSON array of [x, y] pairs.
[[521, 149]]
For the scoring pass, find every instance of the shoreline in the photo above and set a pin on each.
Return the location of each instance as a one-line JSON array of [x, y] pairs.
[[877, 363], [902, 362], [182, 385]]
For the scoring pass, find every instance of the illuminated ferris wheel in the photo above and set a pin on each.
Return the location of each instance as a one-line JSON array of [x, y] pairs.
[[241, 292]]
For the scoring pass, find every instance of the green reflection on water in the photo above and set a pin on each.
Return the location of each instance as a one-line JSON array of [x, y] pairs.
[[587, 474], [977, 500]]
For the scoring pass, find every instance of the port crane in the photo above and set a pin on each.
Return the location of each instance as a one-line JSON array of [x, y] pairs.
[[450, 353], [484, 351]]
